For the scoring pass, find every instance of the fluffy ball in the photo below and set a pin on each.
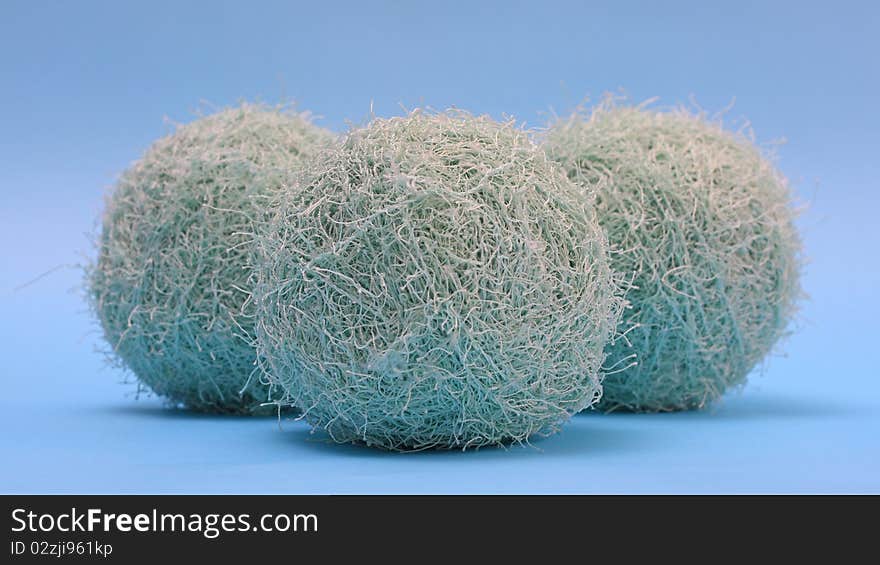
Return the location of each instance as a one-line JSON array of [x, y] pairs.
[[704, 223], [170, 284], [435, 282]]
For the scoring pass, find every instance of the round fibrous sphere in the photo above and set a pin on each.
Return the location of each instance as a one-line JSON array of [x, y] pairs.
[[435, 282], [703, 223], [170, 284]]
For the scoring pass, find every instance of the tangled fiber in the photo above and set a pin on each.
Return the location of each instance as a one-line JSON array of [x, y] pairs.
[[704, 223], [435, 282], [170, 285]]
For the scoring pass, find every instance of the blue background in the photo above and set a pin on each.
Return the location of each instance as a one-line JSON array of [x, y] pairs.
[[85, 87]]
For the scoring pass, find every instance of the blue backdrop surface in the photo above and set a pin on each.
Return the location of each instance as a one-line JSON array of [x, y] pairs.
[[85, 87]]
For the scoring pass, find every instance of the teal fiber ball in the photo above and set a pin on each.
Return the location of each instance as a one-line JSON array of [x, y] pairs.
[[435, 282], [704, 224], [170, 286]]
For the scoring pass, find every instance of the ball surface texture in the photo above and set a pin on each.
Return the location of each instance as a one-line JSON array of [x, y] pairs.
[[170, 285], [704, 224], [435, 282]]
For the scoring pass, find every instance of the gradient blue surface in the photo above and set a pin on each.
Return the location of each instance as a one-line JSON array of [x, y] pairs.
[[85, 87]]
